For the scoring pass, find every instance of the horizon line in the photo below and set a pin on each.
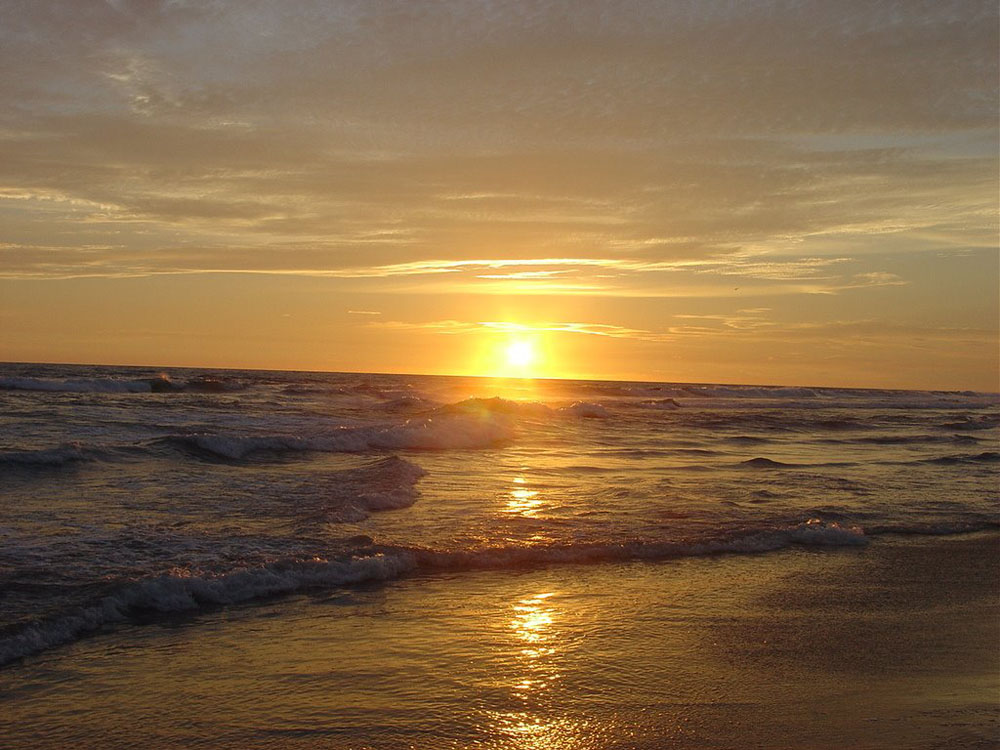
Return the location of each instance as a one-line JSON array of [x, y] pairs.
[[500, 377]]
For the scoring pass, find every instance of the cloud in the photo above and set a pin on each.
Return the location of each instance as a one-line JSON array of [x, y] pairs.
[[720, 276], [507, 327], [683, 149], [728, 329]]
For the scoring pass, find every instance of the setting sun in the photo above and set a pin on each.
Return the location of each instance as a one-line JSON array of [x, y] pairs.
[[520, 353], [531, 374]]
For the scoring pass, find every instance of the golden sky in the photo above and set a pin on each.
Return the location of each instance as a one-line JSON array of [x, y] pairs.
[[762, 192]]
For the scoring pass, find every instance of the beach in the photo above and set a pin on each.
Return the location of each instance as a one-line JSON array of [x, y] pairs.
[[240, 559], [893, 645], [507, 375]]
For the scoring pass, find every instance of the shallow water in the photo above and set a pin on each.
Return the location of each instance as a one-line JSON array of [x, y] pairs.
[[131, 494], [887, 646]]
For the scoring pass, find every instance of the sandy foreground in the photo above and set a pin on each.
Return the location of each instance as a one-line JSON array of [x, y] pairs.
[[894, 645]]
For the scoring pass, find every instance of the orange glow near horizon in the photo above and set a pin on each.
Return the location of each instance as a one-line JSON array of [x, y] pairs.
[[520, 355], [586, 214]]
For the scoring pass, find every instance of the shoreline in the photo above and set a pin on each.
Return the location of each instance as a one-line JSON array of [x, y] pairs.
[[894, 645]]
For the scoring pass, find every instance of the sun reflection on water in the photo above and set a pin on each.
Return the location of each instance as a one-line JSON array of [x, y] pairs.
[[531, 732], [533, 620], [522, 501], [533, 674]]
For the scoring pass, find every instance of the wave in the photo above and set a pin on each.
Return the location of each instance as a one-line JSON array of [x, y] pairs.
[[157, 384], [406, 403], [351, 495], [766, 463], [964, 458], [933, 528], [746, 440], [903, 440], [751, 392], [85, 385], [660, 403], [586, 409], [813, 532], [525, 409], [181, 590], [980, 422], [209, 384], [448, 433], [690, 390], [495, 406], [771, 421], [46, 457]]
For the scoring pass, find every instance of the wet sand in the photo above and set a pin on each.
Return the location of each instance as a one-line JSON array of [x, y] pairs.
[[895, 645]]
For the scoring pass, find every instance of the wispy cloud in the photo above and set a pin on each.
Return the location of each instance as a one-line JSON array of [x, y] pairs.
[[507, 327], [735, 327], [720, 276]]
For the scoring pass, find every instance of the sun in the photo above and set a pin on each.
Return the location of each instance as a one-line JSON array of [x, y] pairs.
[[516, 355], [520, 354]]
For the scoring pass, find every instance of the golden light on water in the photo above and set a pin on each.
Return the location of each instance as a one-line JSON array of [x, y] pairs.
[[533, 620], [521, 500], [524, 730], [534, 627]]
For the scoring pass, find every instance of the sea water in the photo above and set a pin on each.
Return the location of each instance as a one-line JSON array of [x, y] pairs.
[[132, 497]]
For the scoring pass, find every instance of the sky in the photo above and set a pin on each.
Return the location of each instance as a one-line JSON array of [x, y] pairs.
[[700, 191]]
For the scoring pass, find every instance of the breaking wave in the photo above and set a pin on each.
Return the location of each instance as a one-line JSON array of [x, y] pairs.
[[182, 590], [449, 433], [350, 495], [157, 384], [587, 410], [495, 406], [85, 385]]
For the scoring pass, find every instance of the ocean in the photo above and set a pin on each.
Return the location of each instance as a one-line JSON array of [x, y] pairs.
[[228, 558]]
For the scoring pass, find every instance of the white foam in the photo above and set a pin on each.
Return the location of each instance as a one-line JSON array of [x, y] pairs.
[[586, 410], [179, 591]]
